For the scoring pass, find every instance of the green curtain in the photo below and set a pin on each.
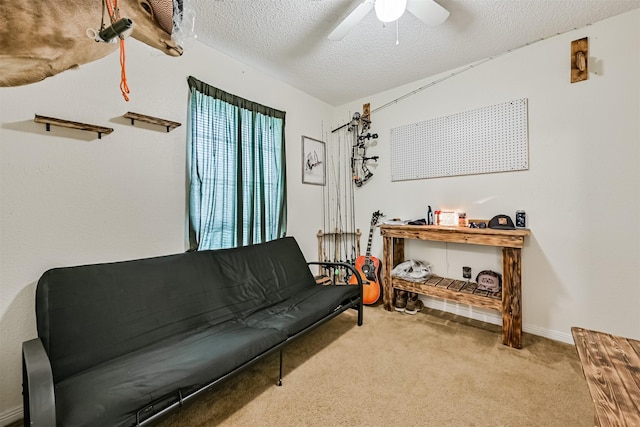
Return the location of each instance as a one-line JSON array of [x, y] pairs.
[[237, 170]]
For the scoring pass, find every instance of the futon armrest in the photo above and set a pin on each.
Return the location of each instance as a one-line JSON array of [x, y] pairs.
[[341, 265], [355, 274], [37, 385]]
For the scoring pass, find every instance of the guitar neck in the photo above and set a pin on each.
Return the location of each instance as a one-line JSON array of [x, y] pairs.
[[374, 221], [368, 253]]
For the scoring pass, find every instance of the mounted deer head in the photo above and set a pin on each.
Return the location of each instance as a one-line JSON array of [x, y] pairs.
[[41, 39]]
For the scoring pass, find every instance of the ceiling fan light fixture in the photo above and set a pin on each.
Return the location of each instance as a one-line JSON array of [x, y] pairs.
[[390, 10]]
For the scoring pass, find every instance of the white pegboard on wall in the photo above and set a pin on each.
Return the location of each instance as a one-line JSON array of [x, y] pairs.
[[485, 140]]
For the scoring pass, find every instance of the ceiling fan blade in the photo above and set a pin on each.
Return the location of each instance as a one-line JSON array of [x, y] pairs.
[[351, 21], [428, 11]]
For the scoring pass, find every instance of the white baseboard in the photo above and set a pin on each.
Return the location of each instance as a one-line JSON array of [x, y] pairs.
[[548, 333], [11, 416], [492, 317]]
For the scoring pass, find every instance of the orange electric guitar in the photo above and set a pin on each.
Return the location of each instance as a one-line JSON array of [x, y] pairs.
[[368, 268]]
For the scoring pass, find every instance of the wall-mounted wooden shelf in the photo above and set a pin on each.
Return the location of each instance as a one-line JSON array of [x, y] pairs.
[[48, 121], [153, 120]]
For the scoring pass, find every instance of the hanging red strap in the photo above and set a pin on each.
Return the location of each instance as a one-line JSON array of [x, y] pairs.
[[124, 87], [114, 15]]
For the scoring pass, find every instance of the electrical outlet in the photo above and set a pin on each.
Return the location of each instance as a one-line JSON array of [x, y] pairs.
[[466, 272]]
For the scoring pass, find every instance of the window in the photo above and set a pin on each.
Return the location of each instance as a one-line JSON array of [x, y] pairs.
[[237, 170]]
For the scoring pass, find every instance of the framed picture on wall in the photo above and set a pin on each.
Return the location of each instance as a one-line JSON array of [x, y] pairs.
[[313, 161]]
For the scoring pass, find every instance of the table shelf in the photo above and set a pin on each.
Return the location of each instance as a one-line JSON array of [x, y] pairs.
[[453, 290]]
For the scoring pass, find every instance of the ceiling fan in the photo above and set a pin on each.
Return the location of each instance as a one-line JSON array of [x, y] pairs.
[[428, 11]]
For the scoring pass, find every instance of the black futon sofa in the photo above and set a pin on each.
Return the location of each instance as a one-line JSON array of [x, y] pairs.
[[120, 344]]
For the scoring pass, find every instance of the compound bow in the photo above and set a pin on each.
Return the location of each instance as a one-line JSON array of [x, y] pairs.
[[359, 149]]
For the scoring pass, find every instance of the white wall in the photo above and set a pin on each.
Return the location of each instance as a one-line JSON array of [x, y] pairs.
[[581, 192], [68, 198]]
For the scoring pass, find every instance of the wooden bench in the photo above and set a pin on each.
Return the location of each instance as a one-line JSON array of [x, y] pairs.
[[611, 366]]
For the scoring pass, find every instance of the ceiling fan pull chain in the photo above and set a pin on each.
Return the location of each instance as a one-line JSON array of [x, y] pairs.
[[397, 38]]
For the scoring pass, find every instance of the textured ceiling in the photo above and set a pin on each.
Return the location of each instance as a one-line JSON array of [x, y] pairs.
[[287, 39]]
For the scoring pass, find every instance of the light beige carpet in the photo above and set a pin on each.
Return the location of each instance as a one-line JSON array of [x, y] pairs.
[[430, 369]]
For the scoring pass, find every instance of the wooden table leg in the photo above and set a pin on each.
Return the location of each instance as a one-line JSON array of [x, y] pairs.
[[387, 289], [511, 298], [393, 254]]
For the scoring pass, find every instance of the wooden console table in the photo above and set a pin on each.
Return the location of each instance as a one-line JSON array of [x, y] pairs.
[[511, 241]]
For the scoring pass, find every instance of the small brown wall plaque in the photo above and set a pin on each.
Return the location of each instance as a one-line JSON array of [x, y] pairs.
[[579, 60]]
